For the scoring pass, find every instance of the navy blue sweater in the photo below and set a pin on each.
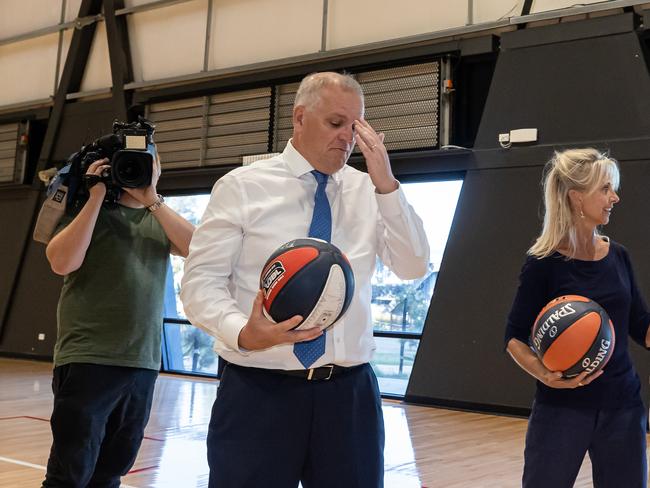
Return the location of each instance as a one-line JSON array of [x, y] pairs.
[[611, 283]]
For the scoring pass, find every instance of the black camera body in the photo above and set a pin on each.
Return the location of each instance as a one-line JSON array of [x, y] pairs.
[[131, 153]]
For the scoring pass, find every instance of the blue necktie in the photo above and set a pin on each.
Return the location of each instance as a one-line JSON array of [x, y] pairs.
[[321, 228]]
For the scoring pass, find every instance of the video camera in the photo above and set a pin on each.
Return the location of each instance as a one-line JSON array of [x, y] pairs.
[[131, 153]]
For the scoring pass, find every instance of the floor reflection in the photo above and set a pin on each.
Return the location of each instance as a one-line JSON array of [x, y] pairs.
[[183, 463], [399, 460]]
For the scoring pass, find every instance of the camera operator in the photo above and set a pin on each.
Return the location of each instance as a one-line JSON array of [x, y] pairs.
[[107, 354]]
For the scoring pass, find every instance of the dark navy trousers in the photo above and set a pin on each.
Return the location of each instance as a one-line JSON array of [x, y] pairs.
[[559, 437], [273, 430], [98, 422]]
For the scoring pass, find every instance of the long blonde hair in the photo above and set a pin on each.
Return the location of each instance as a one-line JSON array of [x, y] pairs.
[[574, 169]]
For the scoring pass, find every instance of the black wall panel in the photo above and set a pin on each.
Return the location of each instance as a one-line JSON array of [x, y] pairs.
[[33, 306], [16, 210], [461, 360], [586, 90]]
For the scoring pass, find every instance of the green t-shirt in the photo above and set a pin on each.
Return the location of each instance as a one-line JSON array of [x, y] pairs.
[[111, 309]]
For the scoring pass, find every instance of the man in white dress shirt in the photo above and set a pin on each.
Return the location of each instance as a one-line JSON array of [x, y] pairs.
[[274, 422]]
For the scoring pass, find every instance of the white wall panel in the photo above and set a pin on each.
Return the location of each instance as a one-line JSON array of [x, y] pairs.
[[169, 41], [544, 5], [27, 69], [250, 31], [72, 9], [98, 67], [363, 21], [492, 10], [21, 16]]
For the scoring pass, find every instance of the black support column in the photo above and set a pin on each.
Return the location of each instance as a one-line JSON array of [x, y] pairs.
[[120, 56], [73, 71]]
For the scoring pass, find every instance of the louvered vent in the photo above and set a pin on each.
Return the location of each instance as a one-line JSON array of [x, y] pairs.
[[401, 102], [212, 131], [283, 126], [10, 172], [179, 131]]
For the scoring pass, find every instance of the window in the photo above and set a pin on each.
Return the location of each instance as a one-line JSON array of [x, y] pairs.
[[399, 308], [185, 347]]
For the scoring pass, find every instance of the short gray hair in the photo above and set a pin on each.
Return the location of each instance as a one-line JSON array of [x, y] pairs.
[[310, 87]]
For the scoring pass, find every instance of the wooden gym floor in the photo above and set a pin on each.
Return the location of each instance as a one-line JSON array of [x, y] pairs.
[[425, 447]]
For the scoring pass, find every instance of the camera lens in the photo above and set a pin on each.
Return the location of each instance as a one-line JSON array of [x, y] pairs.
[[132, 169]]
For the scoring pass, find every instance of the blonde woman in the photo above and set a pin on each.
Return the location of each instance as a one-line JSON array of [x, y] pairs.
[[601, 414]]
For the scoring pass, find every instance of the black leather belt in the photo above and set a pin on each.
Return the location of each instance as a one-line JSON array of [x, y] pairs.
[[322, 373]]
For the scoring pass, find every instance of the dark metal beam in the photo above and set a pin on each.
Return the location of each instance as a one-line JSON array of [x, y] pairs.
[[120, 57], [528, 5], [73, 72], [525, 10]]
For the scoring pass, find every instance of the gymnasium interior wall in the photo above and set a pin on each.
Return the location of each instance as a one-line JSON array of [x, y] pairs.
[[581, 80]]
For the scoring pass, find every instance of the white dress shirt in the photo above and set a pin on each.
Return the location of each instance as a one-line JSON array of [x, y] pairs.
[[255, 209]]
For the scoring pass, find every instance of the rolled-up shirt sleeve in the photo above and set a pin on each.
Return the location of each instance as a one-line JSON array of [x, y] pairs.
[[531, 297], [215, 247], [403, 244]]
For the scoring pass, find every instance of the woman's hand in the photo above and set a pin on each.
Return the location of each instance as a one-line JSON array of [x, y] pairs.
[[554, 379]]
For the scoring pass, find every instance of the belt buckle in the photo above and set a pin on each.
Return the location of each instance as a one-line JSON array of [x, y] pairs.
[[310, 374]]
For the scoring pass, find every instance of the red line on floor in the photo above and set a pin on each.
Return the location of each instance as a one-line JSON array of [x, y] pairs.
[[139, 470], [154, 438], [24, 417]]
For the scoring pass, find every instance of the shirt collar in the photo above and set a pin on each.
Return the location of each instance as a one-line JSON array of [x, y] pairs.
[[299, 166]]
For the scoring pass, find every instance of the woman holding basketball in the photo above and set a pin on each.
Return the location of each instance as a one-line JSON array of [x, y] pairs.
[[602, 413]]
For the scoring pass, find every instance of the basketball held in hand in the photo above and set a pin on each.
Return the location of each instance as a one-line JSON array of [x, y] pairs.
[[307, 277], [573, 334]]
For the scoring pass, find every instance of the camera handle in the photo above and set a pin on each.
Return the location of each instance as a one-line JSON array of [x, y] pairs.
[[91, 180]]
